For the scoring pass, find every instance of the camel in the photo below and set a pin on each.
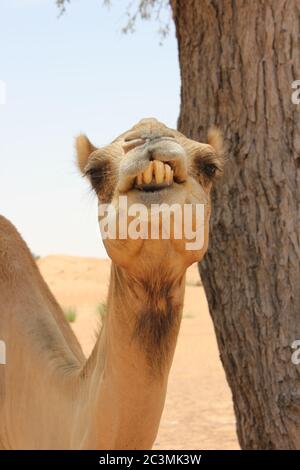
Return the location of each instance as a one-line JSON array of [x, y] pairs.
[[51, 396]]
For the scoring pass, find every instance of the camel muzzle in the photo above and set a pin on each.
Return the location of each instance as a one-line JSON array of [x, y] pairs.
[[152, 164]]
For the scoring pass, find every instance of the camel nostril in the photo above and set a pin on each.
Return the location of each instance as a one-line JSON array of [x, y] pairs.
[[131, 144]]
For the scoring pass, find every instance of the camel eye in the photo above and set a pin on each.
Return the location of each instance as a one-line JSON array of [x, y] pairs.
[[209, 169], [96, 176], [206, 165]]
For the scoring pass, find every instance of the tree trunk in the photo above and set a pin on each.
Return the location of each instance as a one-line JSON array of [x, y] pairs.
[[238, 60]]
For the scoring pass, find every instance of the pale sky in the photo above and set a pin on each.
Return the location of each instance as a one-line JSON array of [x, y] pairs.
[[77, 73]]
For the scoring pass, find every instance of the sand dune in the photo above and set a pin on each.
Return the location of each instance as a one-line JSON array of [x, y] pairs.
[[198, 413]]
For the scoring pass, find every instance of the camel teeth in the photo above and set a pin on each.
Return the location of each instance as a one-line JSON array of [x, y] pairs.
[[147, 175], [159, 171], [168, 174]]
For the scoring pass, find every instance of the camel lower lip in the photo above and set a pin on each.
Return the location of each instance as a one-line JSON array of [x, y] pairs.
[[152, 187]]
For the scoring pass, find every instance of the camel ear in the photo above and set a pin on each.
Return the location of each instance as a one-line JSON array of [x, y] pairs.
[[84, 148], [215, 139]]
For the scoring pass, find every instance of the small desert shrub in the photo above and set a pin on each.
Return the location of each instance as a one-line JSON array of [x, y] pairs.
[[101, 310], [70, 314]]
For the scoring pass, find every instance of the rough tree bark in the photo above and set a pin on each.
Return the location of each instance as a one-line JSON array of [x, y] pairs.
[[238, 60]]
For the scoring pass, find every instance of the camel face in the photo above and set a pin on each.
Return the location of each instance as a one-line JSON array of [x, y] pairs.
[[146, 172]]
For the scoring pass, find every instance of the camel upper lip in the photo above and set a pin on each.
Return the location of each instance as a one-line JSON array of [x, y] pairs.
[[153, 167]]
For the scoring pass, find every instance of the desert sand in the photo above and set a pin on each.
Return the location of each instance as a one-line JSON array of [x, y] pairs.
[[198, 412]]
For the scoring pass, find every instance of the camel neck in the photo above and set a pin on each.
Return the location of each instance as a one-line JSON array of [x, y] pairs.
[[145, 314], [134, 356]]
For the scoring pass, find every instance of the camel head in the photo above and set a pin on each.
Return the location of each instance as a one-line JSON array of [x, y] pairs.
[[153, 178]]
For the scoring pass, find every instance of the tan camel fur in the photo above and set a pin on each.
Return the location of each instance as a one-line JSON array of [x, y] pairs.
[[51, 396]]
